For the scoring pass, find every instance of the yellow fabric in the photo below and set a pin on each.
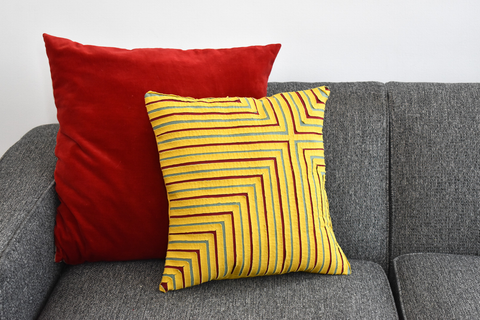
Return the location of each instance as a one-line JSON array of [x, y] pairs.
[[245, 180]]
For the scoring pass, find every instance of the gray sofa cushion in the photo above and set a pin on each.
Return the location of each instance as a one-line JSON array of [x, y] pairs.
[[356, 156], [435, 167], [27, 210], [438, 286], [129, 290]]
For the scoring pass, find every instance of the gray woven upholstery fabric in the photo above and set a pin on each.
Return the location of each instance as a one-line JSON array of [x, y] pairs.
[[356, 156], [27, 216], [435, 167], [129, 290], [438, 286]]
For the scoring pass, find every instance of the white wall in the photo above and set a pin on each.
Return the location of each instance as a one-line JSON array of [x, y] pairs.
[[339, 40]]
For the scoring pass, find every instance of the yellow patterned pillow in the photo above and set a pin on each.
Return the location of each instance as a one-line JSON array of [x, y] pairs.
[[245, 180]]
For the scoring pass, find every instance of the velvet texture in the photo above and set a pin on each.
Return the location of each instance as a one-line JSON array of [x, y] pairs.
[[113, 200]]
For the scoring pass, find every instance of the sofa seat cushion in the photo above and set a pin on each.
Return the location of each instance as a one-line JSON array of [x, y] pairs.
[[438, 286], [129, 290]]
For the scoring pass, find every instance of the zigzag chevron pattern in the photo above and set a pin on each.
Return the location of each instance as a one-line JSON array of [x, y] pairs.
[[245, 180]]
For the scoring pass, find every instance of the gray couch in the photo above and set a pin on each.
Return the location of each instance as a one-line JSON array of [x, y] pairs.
[[403, 181]]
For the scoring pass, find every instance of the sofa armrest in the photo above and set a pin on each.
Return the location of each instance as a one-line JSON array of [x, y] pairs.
[[28, 203]]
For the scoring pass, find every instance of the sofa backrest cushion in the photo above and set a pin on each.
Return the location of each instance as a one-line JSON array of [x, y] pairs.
[[356, 155], [435, 167]]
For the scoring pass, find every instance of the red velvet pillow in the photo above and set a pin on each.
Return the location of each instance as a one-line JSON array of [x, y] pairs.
[[108, 177]]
